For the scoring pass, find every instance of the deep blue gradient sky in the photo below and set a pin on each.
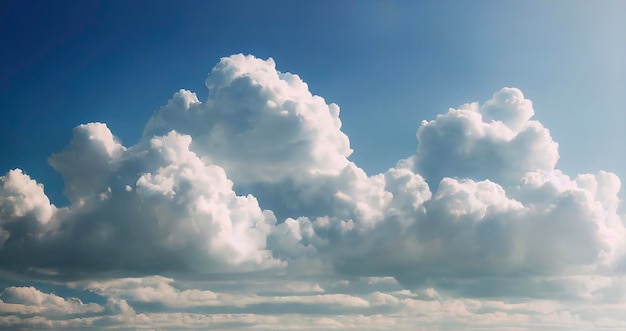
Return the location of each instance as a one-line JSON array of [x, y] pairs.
[[388, 64], [249, 213]]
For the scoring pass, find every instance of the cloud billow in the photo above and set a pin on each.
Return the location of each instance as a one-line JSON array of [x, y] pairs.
[[257, 178], [495, 141]]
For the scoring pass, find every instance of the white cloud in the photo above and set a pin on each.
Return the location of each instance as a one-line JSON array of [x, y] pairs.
[[480, 211], [22, 201], [495, 141], [30, 301], [182, 214], [257, 115], [378, 310], [89, 162], [474, 229], [163, 291]]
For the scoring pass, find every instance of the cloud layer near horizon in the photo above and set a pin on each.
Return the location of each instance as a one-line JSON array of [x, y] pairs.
[[255, 183]]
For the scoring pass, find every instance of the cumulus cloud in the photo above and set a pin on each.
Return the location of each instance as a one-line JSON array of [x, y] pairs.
[[499, 208], [546, 225], [180, 213], [495, 141], [258, 116], [29, 301], [23, 204], [272, 136], [256, 181]]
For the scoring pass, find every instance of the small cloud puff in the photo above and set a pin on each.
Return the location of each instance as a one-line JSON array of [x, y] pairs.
[[495, 141]]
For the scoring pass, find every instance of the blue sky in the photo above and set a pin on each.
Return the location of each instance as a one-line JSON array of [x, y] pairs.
[[388, 65]]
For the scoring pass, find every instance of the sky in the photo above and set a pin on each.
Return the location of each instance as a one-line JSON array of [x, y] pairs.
[[312, 165]]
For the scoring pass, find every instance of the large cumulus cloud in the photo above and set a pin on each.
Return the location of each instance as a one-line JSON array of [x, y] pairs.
[[154, 207], [259, 124], [271, 135], [500, 213], [257, 177], [472, 230]]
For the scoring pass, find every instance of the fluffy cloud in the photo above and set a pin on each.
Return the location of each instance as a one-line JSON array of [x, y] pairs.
[[500, 209], [259, 124], [23, 204], [30, 301], [155, 207], [256, 182], [476, 234], [272, 136], [495, 141]]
